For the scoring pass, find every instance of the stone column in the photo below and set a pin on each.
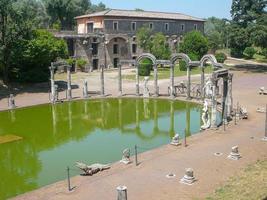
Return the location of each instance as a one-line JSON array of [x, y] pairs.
[[69, 94], [52, 79], [202, 82], [229, 98], [102, 80], [11, 102], [85, 89], [156, 89], [120, 81], [214, 106], [137, 80], [188, 81], [172, 95], [225, 91]]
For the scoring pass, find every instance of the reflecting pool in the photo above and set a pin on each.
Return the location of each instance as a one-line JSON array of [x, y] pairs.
[[55, 136]]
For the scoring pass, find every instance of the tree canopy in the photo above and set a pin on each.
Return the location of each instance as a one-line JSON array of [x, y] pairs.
[[248, 25], [194, 44]]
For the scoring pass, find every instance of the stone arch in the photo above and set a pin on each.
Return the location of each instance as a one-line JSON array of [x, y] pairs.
[[181, 56], [208, 57], [186, 58], [118, 36], [117, 48], [154, 62], [146, 55], [214, 63]]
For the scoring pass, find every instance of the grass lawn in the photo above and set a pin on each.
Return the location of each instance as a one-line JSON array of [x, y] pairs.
[[164, 73], [250, 184]]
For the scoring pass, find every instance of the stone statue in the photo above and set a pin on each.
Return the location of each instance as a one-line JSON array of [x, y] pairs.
[[146, 90], [126, 156], [208, 88], [175, 140], [205, 116], [11, 102], [85, 89], [91, 169]]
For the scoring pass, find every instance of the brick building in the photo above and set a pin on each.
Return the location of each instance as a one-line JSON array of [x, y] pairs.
[[108, 36]]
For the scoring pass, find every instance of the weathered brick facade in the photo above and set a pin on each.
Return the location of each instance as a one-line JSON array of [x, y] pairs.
[[109, 36]]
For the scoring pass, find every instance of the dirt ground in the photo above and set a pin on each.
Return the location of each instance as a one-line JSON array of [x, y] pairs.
[[148, 180]]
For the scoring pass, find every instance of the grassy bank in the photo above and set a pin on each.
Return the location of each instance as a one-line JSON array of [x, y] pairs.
[[250, 184]]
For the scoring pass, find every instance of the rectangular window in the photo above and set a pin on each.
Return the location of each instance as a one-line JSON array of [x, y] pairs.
[[94, 49], [150, 26], [115, 62], [134, 48], [90, 27], [167, 27], [182, 27], [115, 26], [133, 26], [115, 49], [195, 26]]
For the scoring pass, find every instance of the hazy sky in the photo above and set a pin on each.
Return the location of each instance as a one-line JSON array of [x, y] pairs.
[[197, 8]]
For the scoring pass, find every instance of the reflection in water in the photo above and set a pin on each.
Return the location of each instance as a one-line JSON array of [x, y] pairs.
[[55, 136]]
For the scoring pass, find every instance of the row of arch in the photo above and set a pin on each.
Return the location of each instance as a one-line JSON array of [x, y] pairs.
[[179, 56]]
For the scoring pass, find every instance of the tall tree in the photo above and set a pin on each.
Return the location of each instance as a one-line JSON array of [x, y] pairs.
[[245, 11], [144, 38], [159, 47], [16, 26], [194, 43], [65, 11]]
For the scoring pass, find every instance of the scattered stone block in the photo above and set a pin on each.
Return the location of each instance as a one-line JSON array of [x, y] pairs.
[[126, 156], [188, 178], [234, 155]]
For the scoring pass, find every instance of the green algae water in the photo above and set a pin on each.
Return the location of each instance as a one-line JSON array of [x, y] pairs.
[[55, 136]]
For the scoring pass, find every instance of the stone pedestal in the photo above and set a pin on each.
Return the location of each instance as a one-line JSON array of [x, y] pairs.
[[122, 193], [188, 178], [234, 155], [176, 140]]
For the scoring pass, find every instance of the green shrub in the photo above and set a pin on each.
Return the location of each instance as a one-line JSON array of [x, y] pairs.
[[221, 57], [249, 52], [182, 65], [193, 57], [35, 56], [70, 61], [194, 43], [81, 63], [145, 67]]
